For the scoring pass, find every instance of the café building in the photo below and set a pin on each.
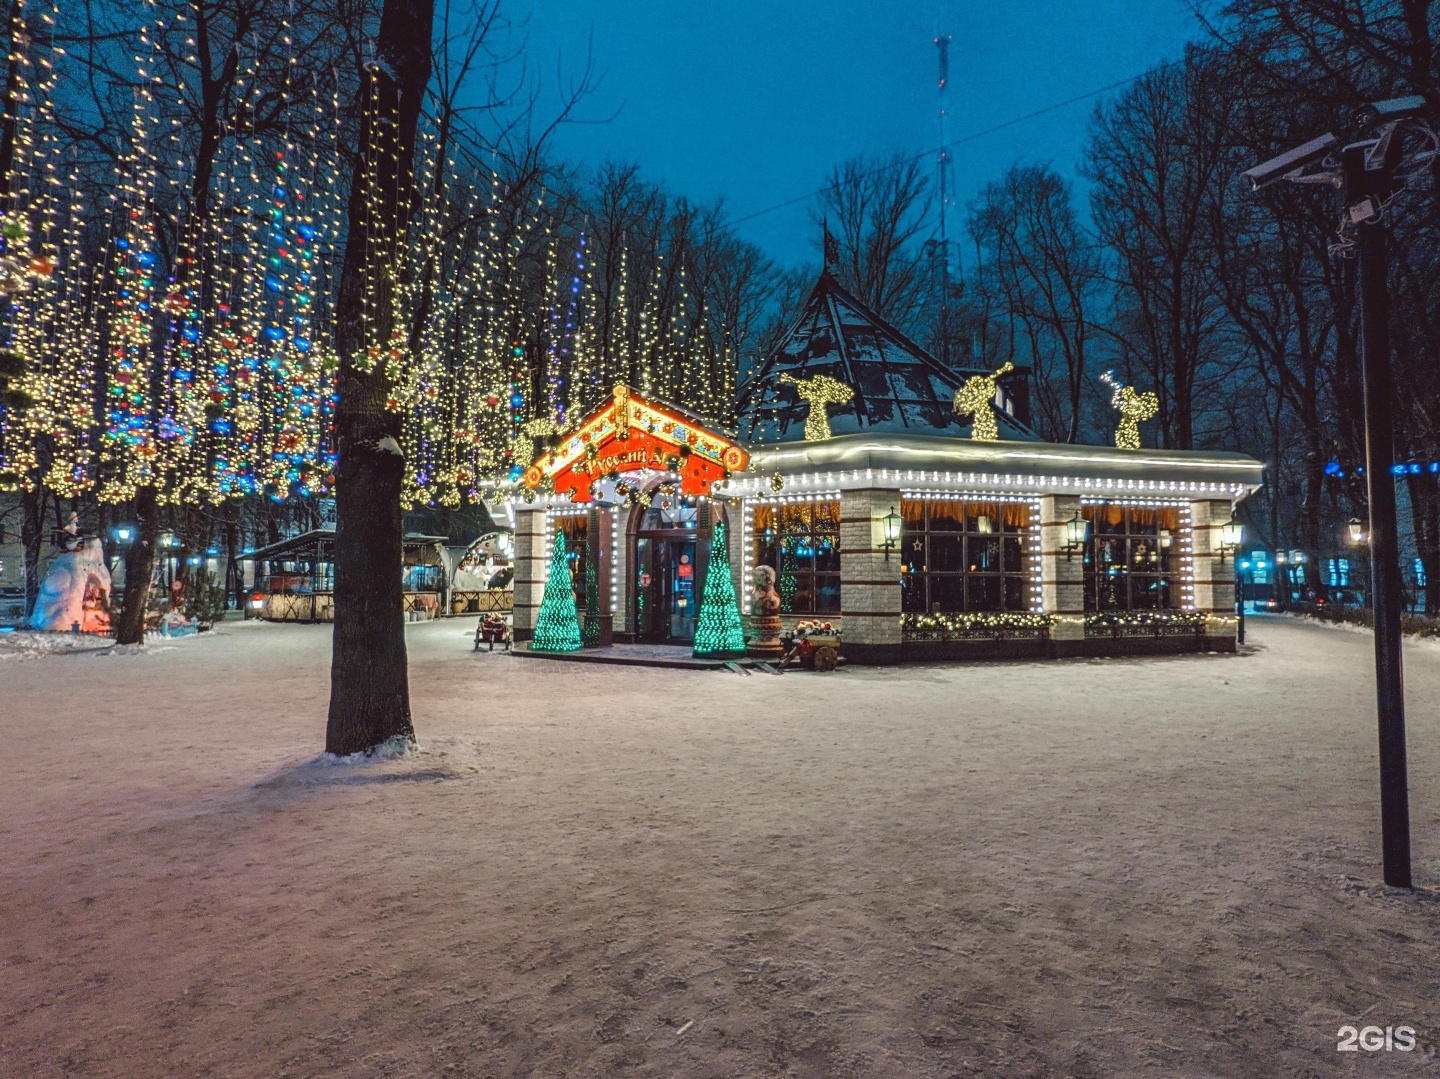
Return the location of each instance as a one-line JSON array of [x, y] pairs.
[[907, 502]]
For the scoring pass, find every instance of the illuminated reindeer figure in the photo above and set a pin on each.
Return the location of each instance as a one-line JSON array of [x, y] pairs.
[[974, 398], [1134, 408], [818, 392]]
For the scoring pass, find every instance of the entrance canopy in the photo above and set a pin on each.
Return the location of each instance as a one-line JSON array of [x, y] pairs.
[[631, 433]]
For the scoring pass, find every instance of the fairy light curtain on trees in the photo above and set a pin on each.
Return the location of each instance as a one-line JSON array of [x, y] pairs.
[[202, 327], [201, 320]]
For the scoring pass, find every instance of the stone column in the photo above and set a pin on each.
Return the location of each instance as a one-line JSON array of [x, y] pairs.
[[620, 567], [530, 569], [1214, 579], [1062, 573], [869, 583], [606, 516]]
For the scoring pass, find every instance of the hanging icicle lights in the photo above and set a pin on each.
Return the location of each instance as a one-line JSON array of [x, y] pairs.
[[194, 355]]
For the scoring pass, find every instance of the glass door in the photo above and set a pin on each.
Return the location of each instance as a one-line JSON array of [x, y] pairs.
[[683, 606], [665, 600]]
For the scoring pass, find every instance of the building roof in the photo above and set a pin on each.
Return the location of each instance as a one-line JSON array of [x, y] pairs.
[[631, 432], [317, 545], [922, 462], [898, 385]]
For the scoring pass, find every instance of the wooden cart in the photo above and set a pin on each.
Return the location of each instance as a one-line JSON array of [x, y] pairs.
[[491, 631], [816, 652]]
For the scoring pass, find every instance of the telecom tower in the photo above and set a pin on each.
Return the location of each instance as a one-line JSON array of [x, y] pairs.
[[944, 187]]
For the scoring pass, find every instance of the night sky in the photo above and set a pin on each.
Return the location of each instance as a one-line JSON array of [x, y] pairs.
[[754, 100]]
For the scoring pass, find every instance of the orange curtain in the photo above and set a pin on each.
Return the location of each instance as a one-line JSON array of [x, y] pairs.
[[1111, 514], [1016, 515]]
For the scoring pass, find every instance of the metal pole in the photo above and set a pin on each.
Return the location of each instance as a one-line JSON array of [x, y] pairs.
[[1384, 551], [1239, 600]]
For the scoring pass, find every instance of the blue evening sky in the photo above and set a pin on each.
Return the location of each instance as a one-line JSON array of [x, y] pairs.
[[754, 100]]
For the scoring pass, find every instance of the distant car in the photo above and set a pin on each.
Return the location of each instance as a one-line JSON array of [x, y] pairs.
[[1342, 597]]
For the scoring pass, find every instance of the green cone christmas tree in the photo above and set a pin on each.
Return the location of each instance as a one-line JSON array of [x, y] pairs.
[[557, 629], [719, 633]]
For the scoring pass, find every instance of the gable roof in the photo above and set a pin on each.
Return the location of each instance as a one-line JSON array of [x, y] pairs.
[[898, 385], [631, 432]]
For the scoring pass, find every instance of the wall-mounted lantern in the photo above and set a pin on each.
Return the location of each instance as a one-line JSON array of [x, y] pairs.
[[1232, 534], [1076, 530], [890, 529], [1356, 530]]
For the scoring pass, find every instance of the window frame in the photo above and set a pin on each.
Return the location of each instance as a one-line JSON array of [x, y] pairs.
[[919, 589], [576, 527], [821, 583], [1129, 536]]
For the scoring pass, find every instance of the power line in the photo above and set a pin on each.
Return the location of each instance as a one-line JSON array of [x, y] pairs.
[[956, 142]]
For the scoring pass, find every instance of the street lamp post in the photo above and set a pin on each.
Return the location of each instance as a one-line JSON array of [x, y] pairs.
[[1384, 531], [1232, 534], [1369, 174]]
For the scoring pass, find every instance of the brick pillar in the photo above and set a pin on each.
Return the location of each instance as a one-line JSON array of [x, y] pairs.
[[869, 584], [606, 517], [620, 563], [732, 513], [1214, 579], [530, 569], [1062, 573]]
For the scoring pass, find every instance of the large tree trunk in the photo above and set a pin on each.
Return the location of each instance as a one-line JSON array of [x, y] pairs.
[[139, 568], [369, 680], [32, 531]]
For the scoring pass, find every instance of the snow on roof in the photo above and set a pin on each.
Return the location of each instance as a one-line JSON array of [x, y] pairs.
[[898, 385], [317, 546]]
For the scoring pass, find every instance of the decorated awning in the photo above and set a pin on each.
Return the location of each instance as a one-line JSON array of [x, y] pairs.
[[631, 433]]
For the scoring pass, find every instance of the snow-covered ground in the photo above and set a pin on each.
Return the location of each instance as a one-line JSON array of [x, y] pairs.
[[1112, 868]]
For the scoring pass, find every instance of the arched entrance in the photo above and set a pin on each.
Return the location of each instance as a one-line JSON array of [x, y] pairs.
[[663, 559]]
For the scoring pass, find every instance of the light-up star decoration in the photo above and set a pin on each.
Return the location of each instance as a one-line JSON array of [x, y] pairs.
[[975, 398], [1134, 409], [818, 392]]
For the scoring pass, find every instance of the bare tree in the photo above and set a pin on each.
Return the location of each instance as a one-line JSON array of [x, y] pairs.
[[1045, 272], [1157, 157], [875, 208]]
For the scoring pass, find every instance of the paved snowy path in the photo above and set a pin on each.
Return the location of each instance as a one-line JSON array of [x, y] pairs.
[[1162, 867]]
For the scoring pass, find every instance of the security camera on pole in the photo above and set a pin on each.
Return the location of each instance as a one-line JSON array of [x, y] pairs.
[[1370, 173]]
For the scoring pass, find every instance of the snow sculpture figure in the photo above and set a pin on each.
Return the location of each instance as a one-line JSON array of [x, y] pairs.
[[75, 590], [974, 399], [1134, 408], [818, 392]]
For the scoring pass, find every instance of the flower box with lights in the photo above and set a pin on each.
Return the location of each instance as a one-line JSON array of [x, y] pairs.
[[976, 625], [1144, 623]]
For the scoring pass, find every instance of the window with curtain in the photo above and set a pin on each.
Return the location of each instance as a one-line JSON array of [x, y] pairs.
[[1130, 556], [961, 555], [801, 543]]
